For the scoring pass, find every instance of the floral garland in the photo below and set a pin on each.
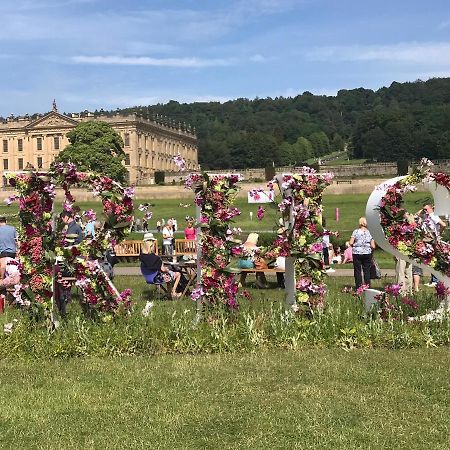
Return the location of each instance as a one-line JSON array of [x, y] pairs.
[[215, 196], [41, 243], [405, 232], [302, 239]]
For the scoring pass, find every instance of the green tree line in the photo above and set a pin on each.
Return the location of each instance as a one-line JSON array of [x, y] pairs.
[[405, 120]]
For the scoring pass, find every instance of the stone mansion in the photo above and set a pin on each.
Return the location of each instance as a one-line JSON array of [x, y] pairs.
[[149, 145]]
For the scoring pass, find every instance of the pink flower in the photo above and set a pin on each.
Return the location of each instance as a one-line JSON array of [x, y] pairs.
[[179, 162], [197, 293], [361, 289], [393, 289], [260, 213]]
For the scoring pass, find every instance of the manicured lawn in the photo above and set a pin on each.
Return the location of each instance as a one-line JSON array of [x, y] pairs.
[[315, 398]]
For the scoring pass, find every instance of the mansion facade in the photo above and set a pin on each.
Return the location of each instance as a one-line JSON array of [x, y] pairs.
[[149, 146]]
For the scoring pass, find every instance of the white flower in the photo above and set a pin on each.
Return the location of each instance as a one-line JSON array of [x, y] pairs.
[[147, 308]]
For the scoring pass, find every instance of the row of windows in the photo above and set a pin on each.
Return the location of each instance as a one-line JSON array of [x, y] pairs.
[[39, 162], [39, 141]]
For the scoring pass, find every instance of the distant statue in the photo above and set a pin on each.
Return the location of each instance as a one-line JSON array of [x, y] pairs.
[[54, 107]]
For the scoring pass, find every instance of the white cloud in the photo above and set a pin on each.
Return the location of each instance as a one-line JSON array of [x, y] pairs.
[[258, 58], [414, 52], [148, 61], [444, 25]]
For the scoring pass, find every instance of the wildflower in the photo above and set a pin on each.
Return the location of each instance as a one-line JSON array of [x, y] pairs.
[[409, 302], [393, 289], [361, 289]]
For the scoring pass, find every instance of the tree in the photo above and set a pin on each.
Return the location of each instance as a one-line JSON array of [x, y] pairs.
[[302, 150], [95, 146], [320, 143]]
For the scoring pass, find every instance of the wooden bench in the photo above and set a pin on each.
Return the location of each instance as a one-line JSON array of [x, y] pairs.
[[185, 247], [343, 181], [130, 249]]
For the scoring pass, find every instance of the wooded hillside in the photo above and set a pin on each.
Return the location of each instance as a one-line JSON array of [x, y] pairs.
[[404, 120]]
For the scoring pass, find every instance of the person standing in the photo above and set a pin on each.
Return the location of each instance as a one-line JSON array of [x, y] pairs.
[[189, 231], [73, 230], [362, 245], [8, 244], [145, 224], [158, 226], [433, 225], [168, 238]]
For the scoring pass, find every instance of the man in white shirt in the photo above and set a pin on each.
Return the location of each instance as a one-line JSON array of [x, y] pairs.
[[168, 238]]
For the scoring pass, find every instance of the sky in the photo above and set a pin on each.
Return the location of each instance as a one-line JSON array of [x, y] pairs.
[[92, 54]]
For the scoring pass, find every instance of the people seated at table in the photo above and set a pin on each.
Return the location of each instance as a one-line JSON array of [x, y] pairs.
[[250, 252], [337, 258], [172, 278], [152, 267], [148, 257]]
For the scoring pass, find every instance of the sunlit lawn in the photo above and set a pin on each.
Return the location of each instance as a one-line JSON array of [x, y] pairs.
[[318, 398]]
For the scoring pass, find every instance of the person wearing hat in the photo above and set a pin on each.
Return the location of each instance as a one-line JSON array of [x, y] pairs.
[[148, 257], [151, 262], [250, 248]]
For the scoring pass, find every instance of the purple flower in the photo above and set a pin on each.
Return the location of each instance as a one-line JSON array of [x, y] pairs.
[[361, 289], [11, 199], [260, 213], [90, 215], [254, 193], [50, 190], [129, 192], [197, 293], [393, 289], [67, 206], [407, 301], [179, 162], [442, 291]]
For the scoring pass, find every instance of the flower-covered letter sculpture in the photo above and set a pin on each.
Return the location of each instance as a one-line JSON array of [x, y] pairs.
[[301, 236], [41, 242], [405, 235], [214, 195]]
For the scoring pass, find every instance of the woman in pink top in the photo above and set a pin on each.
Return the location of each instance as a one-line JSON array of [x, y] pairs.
[[189, 231]]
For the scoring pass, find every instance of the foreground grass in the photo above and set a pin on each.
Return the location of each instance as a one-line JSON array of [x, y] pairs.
[[262, 323], [267, 400]]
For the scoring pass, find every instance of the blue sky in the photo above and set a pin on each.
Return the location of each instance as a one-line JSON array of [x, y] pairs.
[[92, 54]]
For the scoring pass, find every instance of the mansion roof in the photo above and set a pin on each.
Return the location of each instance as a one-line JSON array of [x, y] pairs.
[[54, 119]]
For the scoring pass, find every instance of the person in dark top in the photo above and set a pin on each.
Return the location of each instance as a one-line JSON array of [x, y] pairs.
[[148, 258], [153, 270], [73, 230]]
